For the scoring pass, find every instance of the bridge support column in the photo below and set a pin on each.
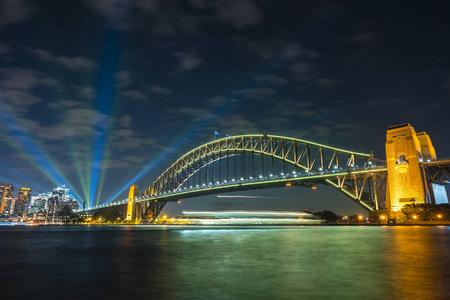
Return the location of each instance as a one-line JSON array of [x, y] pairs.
[[405, 151], [132, 209], [153, 209]]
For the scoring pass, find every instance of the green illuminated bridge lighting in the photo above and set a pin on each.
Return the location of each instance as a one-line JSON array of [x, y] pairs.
[[248, 162]]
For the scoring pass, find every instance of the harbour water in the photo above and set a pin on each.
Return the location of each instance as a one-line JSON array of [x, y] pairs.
[[150, 262]]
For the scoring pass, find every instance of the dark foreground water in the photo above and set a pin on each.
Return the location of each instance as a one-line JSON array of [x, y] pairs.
[[144, 262]]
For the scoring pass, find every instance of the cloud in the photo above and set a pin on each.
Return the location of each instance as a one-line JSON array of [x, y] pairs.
[[17, 84], [70, 103], [256, 93], [303, 67], [135, 95], [125, 139], [14, 11], [235, 124], [164, 18], [20, 99], [123, 78], [4, 48], [191, 114], [238, 13], [85, 92], [125, 121], [328, 82], [279, 49], [24, 79], [134, 159], [168, 18], [289, 108], [271, 79], [78, 123], [159, 90], [303, 63], [220, 100], [187, 61], [113, 12], [76, 64]]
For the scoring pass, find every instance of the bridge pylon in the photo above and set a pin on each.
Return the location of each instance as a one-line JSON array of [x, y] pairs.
[[133, 211], [405, 152]]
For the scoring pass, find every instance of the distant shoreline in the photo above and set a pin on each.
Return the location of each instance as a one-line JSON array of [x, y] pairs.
[[227, 225]]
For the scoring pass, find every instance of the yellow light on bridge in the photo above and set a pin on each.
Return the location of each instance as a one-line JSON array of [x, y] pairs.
[[414, 217], [288, 184], [360, 217], [439, 216]]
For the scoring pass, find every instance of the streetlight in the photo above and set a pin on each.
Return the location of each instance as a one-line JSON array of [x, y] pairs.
[[439, 216], [414, 217]]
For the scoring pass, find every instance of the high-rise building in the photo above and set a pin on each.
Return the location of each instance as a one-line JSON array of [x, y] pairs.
[[53, 202], [23, 201], [39, 202], [53, 205], [6, 197], [62, 193], [74, 204], [61, 198]]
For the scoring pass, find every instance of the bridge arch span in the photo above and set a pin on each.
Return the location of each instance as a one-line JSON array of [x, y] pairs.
[[243, 162], [301, 154]]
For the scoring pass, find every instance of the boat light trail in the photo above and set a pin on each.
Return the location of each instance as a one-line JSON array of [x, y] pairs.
[[249, 197]]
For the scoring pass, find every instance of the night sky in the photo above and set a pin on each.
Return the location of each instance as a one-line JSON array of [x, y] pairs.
[[104, 94]]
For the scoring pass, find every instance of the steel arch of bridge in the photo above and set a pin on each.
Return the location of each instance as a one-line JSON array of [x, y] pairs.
[[350, 167]]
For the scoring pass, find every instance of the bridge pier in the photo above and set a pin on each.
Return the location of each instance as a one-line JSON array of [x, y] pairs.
[[406, 154], [133, 207]]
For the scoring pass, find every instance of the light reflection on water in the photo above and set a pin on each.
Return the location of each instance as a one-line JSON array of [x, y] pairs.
[[164, 262]]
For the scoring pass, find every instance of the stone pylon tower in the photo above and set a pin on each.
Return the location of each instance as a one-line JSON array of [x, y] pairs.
[[131, 208], [405, 150], [428, 151]]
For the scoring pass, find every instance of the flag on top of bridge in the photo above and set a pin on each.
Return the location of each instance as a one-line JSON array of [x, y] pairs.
[[216, 133]]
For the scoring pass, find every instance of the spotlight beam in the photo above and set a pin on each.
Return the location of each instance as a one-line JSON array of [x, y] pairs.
[[32, 152], [108, 67]]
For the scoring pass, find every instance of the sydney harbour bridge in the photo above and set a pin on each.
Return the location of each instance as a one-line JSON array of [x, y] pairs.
[[410, 174]]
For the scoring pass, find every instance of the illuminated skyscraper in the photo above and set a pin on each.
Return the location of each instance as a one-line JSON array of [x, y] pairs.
[[74, 204], [39, 202], [62, 193], [52, 205], [23, 201], [61, 198], [6, 196]]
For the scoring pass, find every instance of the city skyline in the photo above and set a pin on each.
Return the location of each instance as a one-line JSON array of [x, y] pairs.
[[103, 95], [26, 205]]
